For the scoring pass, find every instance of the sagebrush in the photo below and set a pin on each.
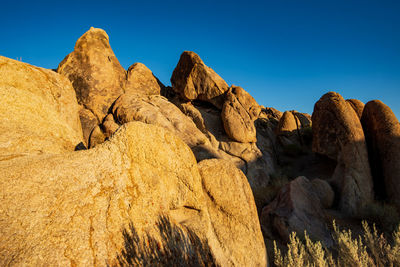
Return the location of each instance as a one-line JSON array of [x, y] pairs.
[[370, 249]]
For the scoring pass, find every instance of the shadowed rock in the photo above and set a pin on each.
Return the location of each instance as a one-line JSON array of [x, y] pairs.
[[357, 105], [296, 208], [95, 72], [338, 134], [88, 122], [192, 79], [382, 132]]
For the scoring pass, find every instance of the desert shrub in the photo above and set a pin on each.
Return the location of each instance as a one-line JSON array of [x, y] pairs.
[[175, 246], [370, 249]]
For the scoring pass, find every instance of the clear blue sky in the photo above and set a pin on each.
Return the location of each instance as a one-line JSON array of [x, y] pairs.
[[286, 53]]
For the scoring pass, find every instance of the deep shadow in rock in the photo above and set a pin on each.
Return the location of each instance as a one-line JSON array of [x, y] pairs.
[[172, 246]]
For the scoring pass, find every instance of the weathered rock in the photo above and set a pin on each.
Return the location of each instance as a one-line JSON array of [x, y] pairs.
[[192, 112], [158, 111], [246, 101], [303, 118], [324, 192], [38, 110], [338, 134], [95, 72], [240, 236], [256, 165], [88, 123], [192, 79], [141, 80], [296, 208], [272, 113], [357, 105], [57, 211], [287, 129], [288, 124], [382, 132], [109, 125], [237, 120], [96, 137]]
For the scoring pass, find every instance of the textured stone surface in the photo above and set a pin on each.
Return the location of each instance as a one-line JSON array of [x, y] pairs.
[[192, 79], [382, 132], [57, 211], [338, 134], [324, 192], [158, 111], [288, 129], [238, 114], [88, 122], [233, 212], [95, 72], [296, 208], [141, 80], [96, 137], [109, 125], [357, 105], [38, 110]]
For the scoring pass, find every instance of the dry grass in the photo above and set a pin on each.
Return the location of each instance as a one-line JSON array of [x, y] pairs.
[[370, 249]]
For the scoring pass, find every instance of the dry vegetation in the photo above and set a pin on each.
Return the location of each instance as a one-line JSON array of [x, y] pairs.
[[370, 249]]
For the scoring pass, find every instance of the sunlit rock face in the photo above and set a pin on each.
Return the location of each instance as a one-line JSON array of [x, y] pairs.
[[71, 208], [382, 132], [38, 110], [338, 134], [95, 72], [192, 79], [142, 81]]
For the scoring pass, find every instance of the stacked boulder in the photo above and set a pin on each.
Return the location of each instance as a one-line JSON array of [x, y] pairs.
[[66, 207]]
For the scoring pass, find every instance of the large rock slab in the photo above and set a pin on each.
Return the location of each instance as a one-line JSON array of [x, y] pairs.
[[38, 110], [238, 115], [95, 72], [141, 80], [57, 211], [382, 132], [296, 208], [338, 134], [233, 212], [192, 79]]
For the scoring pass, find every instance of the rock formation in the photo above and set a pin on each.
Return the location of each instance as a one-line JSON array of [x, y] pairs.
[[240, 237], [338, 134], [141, 80], [158, 111], [192, 79], [382, 132], [92, 151], [59, 211], [296, 208], [238, 114], [95, 72], [357, 105], [38, 111]]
